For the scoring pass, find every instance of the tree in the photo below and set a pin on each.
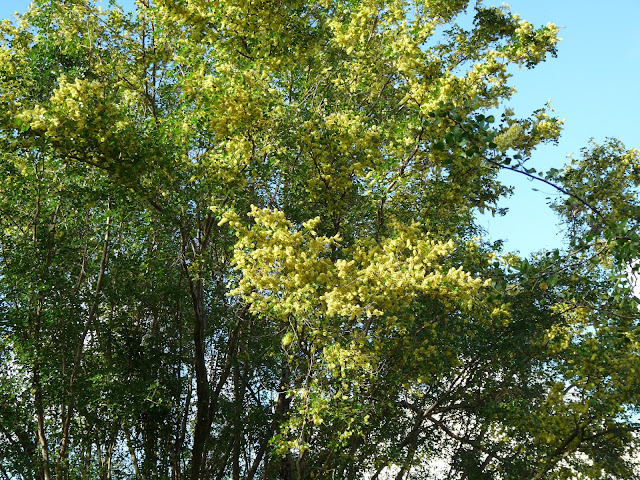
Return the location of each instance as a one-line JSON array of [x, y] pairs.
[[238, 241]]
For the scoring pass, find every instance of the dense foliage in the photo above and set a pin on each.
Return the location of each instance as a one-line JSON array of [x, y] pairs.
[[238, 240]]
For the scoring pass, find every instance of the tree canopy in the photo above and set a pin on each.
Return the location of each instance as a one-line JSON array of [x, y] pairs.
[[239, 240]]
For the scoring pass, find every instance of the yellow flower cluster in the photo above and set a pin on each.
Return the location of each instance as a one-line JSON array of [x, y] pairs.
[[290, 271]]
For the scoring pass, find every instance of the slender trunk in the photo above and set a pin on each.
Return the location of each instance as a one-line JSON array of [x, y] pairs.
[[203, 418], [222, 467], [181, 423], [100, 459], [132, 453], [203, 421], [301, 461], [150, 446], [237, 430], [206, 404], [177, 472], [110, 461], [63, 455], [412, 445], [87, 457], [37, 387], [283, 403], [259, 457], [42, 439]]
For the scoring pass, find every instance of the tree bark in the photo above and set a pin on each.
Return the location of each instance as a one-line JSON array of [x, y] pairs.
[[203, 420], [42, 439]]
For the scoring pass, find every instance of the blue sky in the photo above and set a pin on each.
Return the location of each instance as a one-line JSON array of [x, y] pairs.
[[593, 85]]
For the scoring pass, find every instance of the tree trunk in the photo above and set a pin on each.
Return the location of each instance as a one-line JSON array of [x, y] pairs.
[[283, 404], [42, 439], [132, 453], [63, 459], [203, 421]]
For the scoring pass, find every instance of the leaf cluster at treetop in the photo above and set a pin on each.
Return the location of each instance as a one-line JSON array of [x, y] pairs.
[[238, 240]]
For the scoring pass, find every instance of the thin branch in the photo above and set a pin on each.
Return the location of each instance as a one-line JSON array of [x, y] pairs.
[[551, 184]]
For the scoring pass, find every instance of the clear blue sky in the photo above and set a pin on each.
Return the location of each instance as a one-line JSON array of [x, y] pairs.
[[593, 84]]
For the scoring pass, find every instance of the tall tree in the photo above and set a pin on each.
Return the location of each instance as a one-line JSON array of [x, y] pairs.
[[238, 241]]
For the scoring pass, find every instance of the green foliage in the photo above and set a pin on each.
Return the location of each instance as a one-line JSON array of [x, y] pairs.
[[238, 240]]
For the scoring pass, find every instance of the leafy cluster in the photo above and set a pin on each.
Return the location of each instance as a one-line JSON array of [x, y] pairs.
[[238, 240]]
